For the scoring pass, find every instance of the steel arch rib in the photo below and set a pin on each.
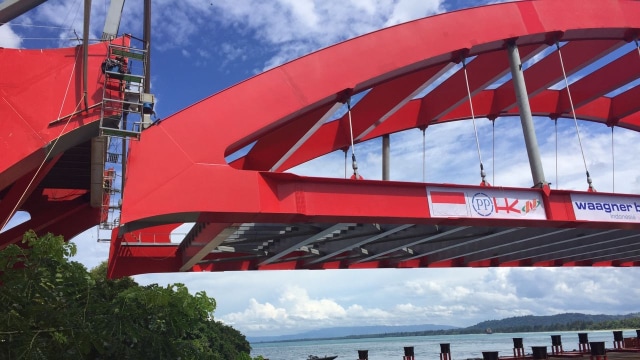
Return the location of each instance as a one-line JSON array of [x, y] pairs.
[[193, 182]]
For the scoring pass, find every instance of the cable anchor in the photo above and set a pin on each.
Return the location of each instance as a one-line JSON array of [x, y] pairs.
[[591, 188], [483, 175]]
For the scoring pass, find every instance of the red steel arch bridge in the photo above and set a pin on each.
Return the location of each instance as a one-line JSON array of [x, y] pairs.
[[249, 214]]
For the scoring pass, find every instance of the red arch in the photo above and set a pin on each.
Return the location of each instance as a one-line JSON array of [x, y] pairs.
[[178, 173], [278, 106]]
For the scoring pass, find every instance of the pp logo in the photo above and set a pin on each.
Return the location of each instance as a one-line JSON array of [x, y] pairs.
[[482, 204]]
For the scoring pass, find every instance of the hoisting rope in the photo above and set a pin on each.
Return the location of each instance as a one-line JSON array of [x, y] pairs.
[[613, 164], [556, 126], [475, 129], [493, 151], [35, 175], [575, 120], [354, 163], [424, 157], [345, 163]]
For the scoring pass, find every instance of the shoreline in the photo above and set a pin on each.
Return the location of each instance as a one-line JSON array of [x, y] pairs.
[[467, 346], [430, 333]]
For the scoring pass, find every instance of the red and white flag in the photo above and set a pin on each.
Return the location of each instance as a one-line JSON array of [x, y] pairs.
[[448, 203]]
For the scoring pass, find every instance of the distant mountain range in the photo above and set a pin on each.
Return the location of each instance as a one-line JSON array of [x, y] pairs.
[[347, 331], [567, 321], [530, 323]]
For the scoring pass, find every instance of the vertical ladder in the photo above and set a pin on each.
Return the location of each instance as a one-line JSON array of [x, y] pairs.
[[126, 111], [110, 211]]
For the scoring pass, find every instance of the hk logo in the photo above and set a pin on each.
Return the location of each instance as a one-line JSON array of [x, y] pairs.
[[484, 205]]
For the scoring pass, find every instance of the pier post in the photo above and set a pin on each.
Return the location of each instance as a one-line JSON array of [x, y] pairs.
[[489, 355], [598, 351], [445, 352], [556, 344], [583, 342], [539, 352], [363, 354], [408, 353], [518, 347], [386, 151], [618, 340]]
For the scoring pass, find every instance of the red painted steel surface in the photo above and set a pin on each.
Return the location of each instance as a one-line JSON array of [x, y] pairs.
[[36, 105], [194, 183], [41, 99], [262, 220]]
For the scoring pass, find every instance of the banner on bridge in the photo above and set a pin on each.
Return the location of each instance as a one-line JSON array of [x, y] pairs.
[[593, 207], [485, 203]]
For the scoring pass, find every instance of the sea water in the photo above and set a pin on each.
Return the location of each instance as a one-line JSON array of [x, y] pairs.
[[425, 347]]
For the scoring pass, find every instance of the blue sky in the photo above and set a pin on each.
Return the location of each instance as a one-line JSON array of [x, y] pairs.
[[202, 47]]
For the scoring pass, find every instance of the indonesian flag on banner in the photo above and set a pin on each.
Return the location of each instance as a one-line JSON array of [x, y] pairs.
[[448, 203]]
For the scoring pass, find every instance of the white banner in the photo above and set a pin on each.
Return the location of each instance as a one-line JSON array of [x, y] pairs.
[[594, 207], [485, 203]]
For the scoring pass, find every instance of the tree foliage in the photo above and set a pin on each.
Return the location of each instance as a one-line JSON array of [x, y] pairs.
[[56, 309]]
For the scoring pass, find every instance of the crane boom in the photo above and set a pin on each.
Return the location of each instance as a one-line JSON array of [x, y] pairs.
[[11, 9], [112, 22]]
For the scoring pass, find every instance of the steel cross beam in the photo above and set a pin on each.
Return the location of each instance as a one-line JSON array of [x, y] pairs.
[[483, 71], [561, 254], [306, 136], [485, 251], [362, 242], [317, 237], [623, 105], [600, 82], [201, 240], [536, 250], [404, 101], [628, 255], [446, 256], [420, 241], [548, 72]]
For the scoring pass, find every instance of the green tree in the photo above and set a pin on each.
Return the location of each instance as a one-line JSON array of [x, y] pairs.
[[47, 299], [56, 309]]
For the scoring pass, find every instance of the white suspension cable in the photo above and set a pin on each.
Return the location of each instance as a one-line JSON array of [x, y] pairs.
[[424, 157], [473, 118], [13, 211], [39, 26], [354, 163], [493, 151], [345, 163], [55, 39], [556, 126], [575, 120], [613, 164]]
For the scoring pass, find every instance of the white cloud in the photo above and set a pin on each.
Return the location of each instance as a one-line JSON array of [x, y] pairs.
[[406, 10], [302, 307], [423, 287], [300, 27], [8, 38]]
